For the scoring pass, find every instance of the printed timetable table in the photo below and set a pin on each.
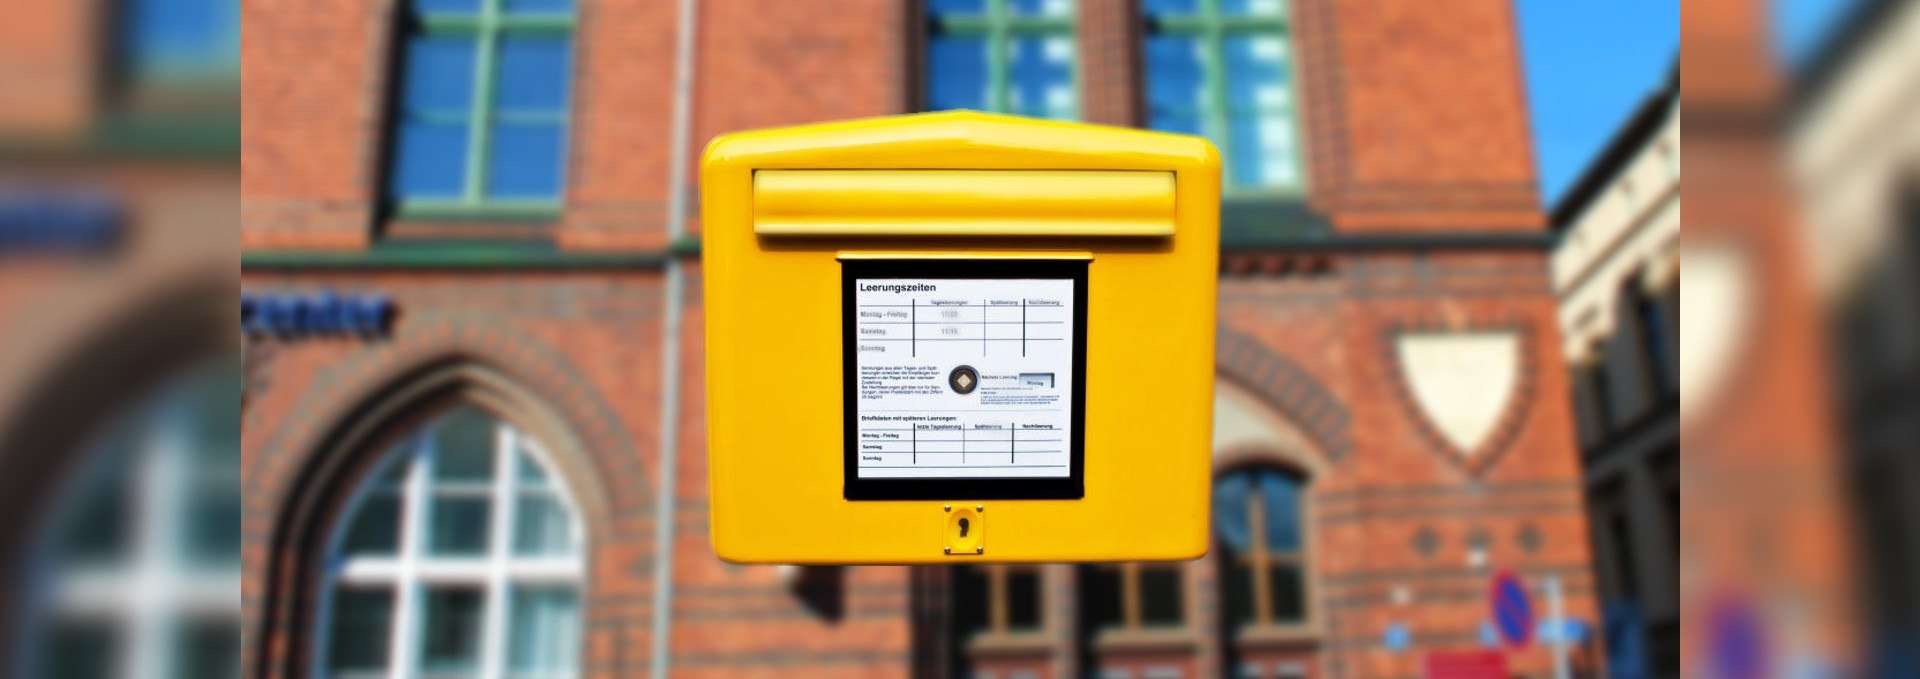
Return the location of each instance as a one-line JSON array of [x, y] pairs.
[[1009, 449], [995, 325], [963, 378]]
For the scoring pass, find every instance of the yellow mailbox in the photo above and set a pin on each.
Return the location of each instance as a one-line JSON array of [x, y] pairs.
[[954, 337]]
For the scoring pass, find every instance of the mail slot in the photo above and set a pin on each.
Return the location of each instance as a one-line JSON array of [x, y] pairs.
[[916, 321], [1071, 203]]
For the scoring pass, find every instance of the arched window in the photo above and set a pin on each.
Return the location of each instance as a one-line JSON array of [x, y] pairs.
[[135, 570], [1257, 519], [459, 557]]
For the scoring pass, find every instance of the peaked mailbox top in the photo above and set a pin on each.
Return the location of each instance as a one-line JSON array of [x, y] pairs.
[[959, 140]]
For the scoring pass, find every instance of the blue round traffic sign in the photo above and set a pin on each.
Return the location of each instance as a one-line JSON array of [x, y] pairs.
[[1512, 610], [1736, 640]]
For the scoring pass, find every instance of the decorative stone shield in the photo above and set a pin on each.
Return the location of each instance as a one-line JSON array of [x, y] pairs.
[[1717, 289], [1465, 388]]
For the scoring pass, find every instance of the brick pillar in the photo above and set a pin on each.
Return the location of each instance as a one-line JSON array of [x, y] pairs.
[[1762, 430], [1418, 125], [622, 98], [931, 619], [1110, 70], [1421, 114], [316, 74], [1060, 594], [50, 67]]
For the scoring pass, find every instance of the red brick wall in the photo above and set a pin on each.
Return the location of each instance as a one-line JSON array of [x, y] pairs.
[[1110, 68], [1406, 485], [314, 74], [790, 63], [1423, 115], [616, 180], [49, 67], [1382, 483], [1764, 431]]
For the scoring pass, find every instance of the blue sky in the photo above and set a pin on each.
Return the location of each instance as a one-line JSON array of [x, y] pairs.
[[1800, 26], [1590, 62]]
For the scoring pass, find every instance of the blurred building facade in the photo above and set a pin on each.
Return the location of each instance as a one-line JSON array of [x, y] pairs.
[[120, 504], [1855, 161], [452, 222], [1616, 271]]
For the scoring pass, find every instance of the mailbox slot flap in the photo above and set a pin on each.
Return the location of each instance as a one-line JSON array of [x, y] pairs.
[[1080, 203]]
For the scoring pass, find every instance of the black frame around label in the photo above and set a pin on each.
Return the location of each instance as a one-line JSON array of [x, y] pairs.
[[1073, 487]]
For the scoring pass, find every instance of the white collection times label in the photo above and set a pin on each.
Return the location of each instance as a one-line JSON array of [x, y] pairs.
[[964, 378]]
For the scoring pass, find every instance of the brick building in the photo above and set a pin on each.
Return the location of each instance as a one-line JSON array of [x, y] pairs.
[[455, 337]]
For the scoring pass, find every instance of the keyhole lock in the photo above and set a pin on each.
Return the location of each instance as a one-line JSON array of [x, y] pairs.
[[963, 532]]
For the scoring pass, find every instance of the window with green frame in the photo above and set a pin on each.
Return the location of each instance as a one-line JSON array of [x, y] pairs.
[[1222, 69], [162, 42], [1003, 56], [481, 123]]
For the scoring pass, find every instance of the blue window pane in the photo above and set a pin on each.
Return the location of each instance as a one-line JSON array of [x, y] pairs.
[[1157, 7], [1264, 151], [1176, 78], [1257, 72], [1181, 123], [538, 6], [1043, 8], [940, 7], [545, 640], [430, 159], [446, 6], [1263, 147], [1280, 497], [525, 160], [956, 72], [1040, 76], [439, 76], [1279, 493], [463, 442], [180, 35], [534, 72], [362, 621], [1253, 7], [1231, 493]]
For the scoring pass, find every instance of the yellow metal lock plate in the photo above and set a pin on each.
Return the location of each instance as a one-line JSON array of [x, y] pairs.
[[965, 530], [911, 317]]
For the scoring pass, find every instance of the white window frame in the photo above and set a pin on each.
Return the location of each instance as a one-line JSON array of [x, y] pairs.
[[145, 593], [410, 571]]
